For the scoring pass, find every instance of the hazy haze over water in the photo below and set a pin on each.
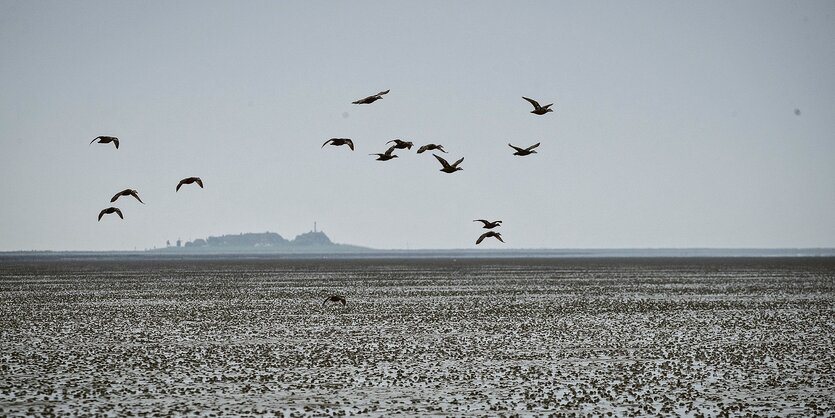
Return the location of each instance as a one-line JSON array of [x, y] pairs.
[[674, 123]]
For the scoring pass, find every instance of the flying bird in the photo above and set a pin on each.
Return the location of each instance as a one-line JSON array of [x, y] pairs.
[[127, 192], [335, 298], [110, 210], [106, 140], [385, 156], [189, 180], [399, 144], [488, 224], [340, 141], [372, 98], [537, 109], [524, 151], [430, 147], [447, 168], [489, 234]]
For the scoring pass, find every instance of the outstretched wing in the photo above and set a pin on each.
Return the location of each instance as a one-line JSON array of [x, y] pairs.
[[393, 140], [547, 106], [119, 212], [532, 146], [481, 238], [390, 150], [516, 148], [442, 161], [136, 195], [180, 184], [327, 142], [383, 92], [200, 182], [499, 237], [115, 197], [458, 162], [350, 144], [484, 221], [423, 148], [94, 139], [533, 102], [103, 211], [116, 142], [440, 148]]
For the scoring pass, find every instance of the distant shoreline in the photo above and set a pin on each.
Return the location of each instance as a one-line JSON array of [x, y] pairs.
[[433, 253]]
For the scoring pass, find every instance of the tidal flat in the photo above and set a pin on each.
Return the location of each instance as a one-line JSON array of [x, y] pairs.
[[476, 337]]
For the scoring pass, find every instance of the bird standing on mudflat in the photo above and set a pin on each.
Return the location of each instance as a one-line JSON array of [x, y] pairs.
[[371, 99], [489, 234], [335, 298], [537, 109], [189, 180], [488, 224], [127, 192], [430, 147], [104, 139], [110, 210], [447, 168], [399, 144], [340, 141], [524, 151]]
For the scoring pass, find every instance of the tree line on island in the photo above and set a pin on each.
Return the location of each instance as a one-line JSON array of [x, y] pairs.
[[264, 241]]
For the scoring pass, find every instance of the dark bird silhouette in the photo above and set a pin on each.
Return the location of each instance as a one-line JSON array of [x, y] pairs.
[[110, 210], [372, 98], [335, 298], [385, 156], [430, 147], [127, 192], [189, 180], [399, 144], [340, 141], [489, 234], [524, 151], [106, 140], [488, 224], [537, 109], [447, 168]]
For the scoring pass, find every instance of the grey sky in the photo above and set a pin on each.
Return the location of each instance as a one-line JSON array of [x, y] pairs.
[[674, 122]]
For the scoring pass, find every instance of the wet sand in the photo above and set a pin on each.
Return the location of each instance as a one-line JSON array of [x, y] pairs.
[[480, 337]]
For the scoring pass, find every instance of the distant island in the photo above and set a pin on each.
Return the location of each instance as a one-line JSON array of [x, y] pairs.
[[262, 242]]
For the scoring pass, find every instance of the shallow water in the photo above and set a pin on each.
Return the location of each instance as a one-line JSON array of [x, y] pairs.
[[429, 337]]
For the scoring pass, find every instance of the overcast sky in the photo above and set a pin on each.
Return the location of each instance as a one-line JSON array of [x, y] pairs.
[[674, 122]]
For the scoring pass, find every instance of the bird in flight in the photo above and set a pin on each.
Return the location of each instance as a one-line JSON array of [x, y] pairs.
[[430, 147], [340, 141], [537, 109], [488, 224], [489, 234], [524, 151], [127, 192], [110, 210], [189, 180], [106, 140], [335, 298], [372, 98], [447, 168], [399, 144], [385, 156]]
